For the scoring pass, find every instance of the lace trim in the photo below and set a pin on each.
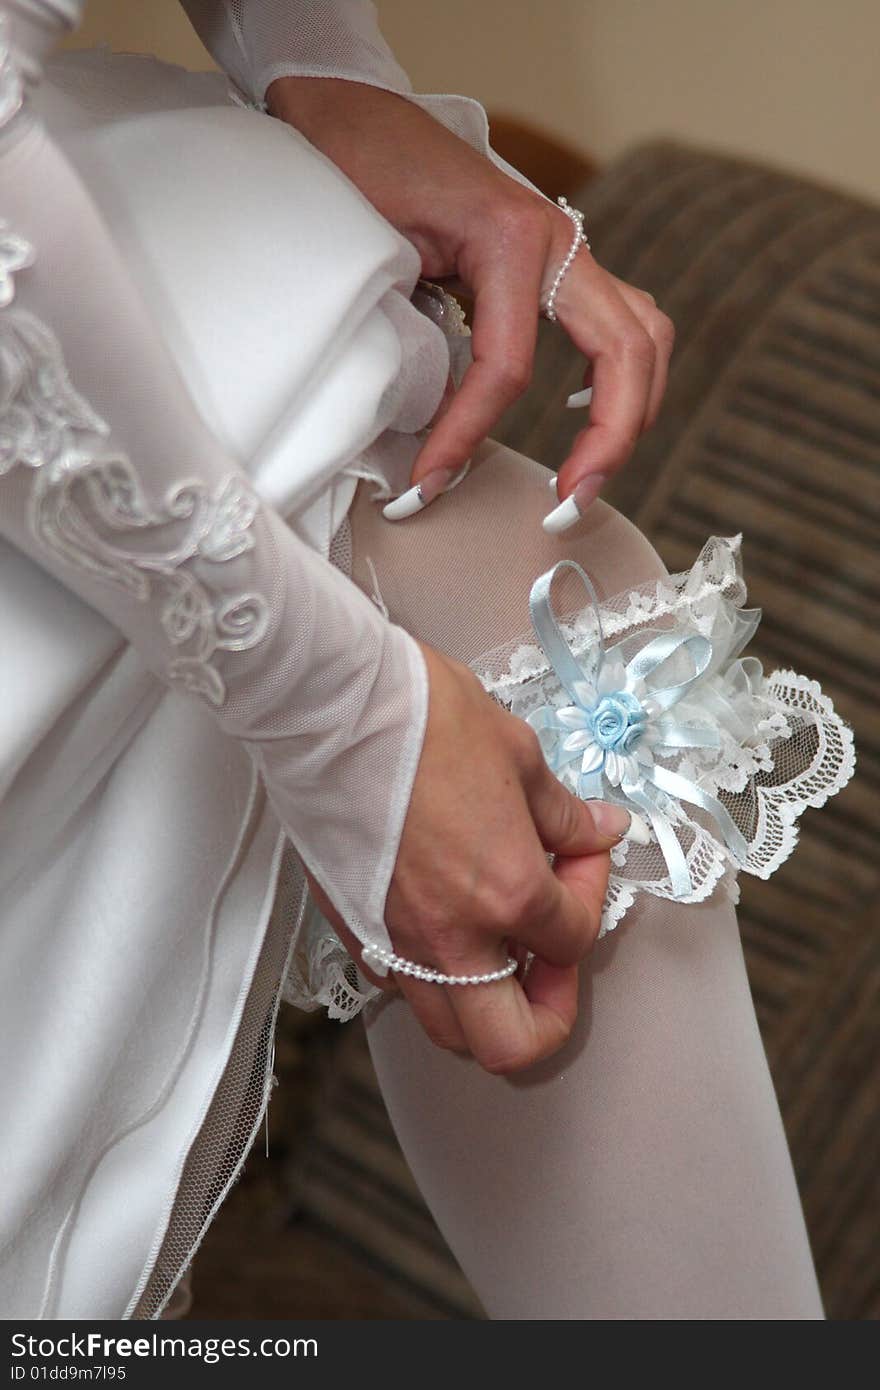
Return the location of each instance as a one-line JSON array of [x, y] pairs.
[[322, 974], [47, 426], [716, 572]]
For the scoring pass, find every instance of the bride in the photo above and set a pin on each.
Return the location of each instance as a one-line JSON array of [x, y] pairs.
[[275, 723]]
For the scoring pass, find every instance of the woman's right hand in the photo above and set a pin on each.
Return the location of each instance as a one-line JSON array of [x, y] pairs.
[[484, 233], [472, 878]]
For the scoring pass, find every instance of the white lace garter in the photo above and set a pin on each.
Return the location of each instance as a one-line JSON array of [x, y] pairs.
[[644, 700]]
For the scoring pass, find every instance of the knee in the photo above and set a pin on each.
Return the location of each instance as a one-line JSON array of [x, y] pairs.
[[515, 490], [620, 555]]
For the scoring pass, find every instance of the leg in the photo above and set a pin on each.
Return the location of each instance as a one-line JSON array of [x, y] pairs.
[[642, 1172]]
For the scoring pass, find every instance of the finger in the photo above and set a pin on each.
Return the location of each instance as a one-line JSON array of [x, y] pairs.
[[662, 331], [504, 333], [622, 355], [446, 401], [555, 988], [565, 823], [632, 292], [431, 1005], [556, 923], [564, 923], [507, 1028]]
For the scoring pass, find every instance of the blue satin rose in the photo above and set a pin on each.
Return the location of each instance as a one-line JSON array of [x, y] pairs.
[[618, 722]]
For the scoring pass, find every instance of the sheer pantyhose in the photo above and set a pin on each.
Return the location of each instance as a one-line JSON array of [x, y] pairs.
[[642, 1172]]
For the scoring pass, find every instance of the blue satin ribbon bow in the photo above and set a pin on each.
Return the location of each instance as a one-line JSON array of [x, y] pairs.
[[611, 732]]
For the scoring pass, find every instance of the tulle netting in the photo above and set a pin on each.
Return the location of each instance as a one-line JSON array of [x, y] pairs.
[[215, 1159]]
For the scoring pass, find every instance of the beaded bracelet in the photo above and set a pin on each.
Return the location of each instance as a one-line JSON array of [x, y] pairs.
[[579, 239], [400, 966]]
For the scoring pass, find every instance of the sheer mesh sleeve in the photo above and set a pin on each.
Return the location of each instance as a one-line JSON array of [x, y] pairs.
[[110, 481], [257, 41]]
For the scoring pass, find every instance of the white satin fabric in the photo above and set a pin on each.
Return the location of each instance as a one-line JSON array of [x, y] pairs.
[[293, 327], [139, 852]]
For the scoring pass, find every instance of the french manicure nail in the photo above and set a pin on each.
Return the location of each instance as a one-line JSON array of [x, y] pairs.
[[407, 504], [415, 499], [579, 398], [619, 823], [637, 830], [561, 517], [573, 508], [553, 481]]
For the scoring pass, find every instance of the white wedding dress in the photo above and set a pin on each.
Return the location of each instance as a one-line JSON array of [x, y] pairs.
[[209, 340]]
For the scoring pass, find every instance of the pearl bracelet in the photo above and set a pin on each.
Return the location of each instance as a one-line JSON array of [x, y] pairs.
[[579, 239], [400, 966]]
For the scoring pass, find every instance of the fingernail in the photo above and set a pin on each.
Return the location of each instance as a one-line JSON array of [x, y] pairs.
[[561, 517], [407, 504], [618, 823], [417, 498], [580, 398], [553, 481], [573, 508]]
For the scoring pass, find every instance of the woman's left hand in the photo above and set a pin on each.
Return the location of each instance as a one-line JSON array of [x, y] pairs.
[[502, 244]]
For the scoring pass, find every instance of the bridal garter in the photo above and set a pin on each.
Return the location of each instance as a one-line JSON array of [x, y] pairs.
[[645, 699]]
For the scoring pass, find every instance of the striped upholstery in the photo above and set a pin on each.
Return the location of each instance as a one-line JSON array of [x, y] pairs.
[[771, 427]]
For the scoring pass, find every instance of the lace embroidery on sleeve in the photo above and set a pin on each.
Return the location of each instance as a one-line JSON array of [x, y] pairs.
[[83, 495]]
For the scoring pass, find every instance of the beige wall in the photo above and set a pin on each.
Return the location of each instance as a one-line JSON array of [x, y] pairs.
[[142, 26], [793, 82]]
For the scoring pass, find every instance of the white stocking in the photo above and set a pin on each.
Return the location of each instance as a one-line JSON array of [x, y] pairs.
[[642, 1172]]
